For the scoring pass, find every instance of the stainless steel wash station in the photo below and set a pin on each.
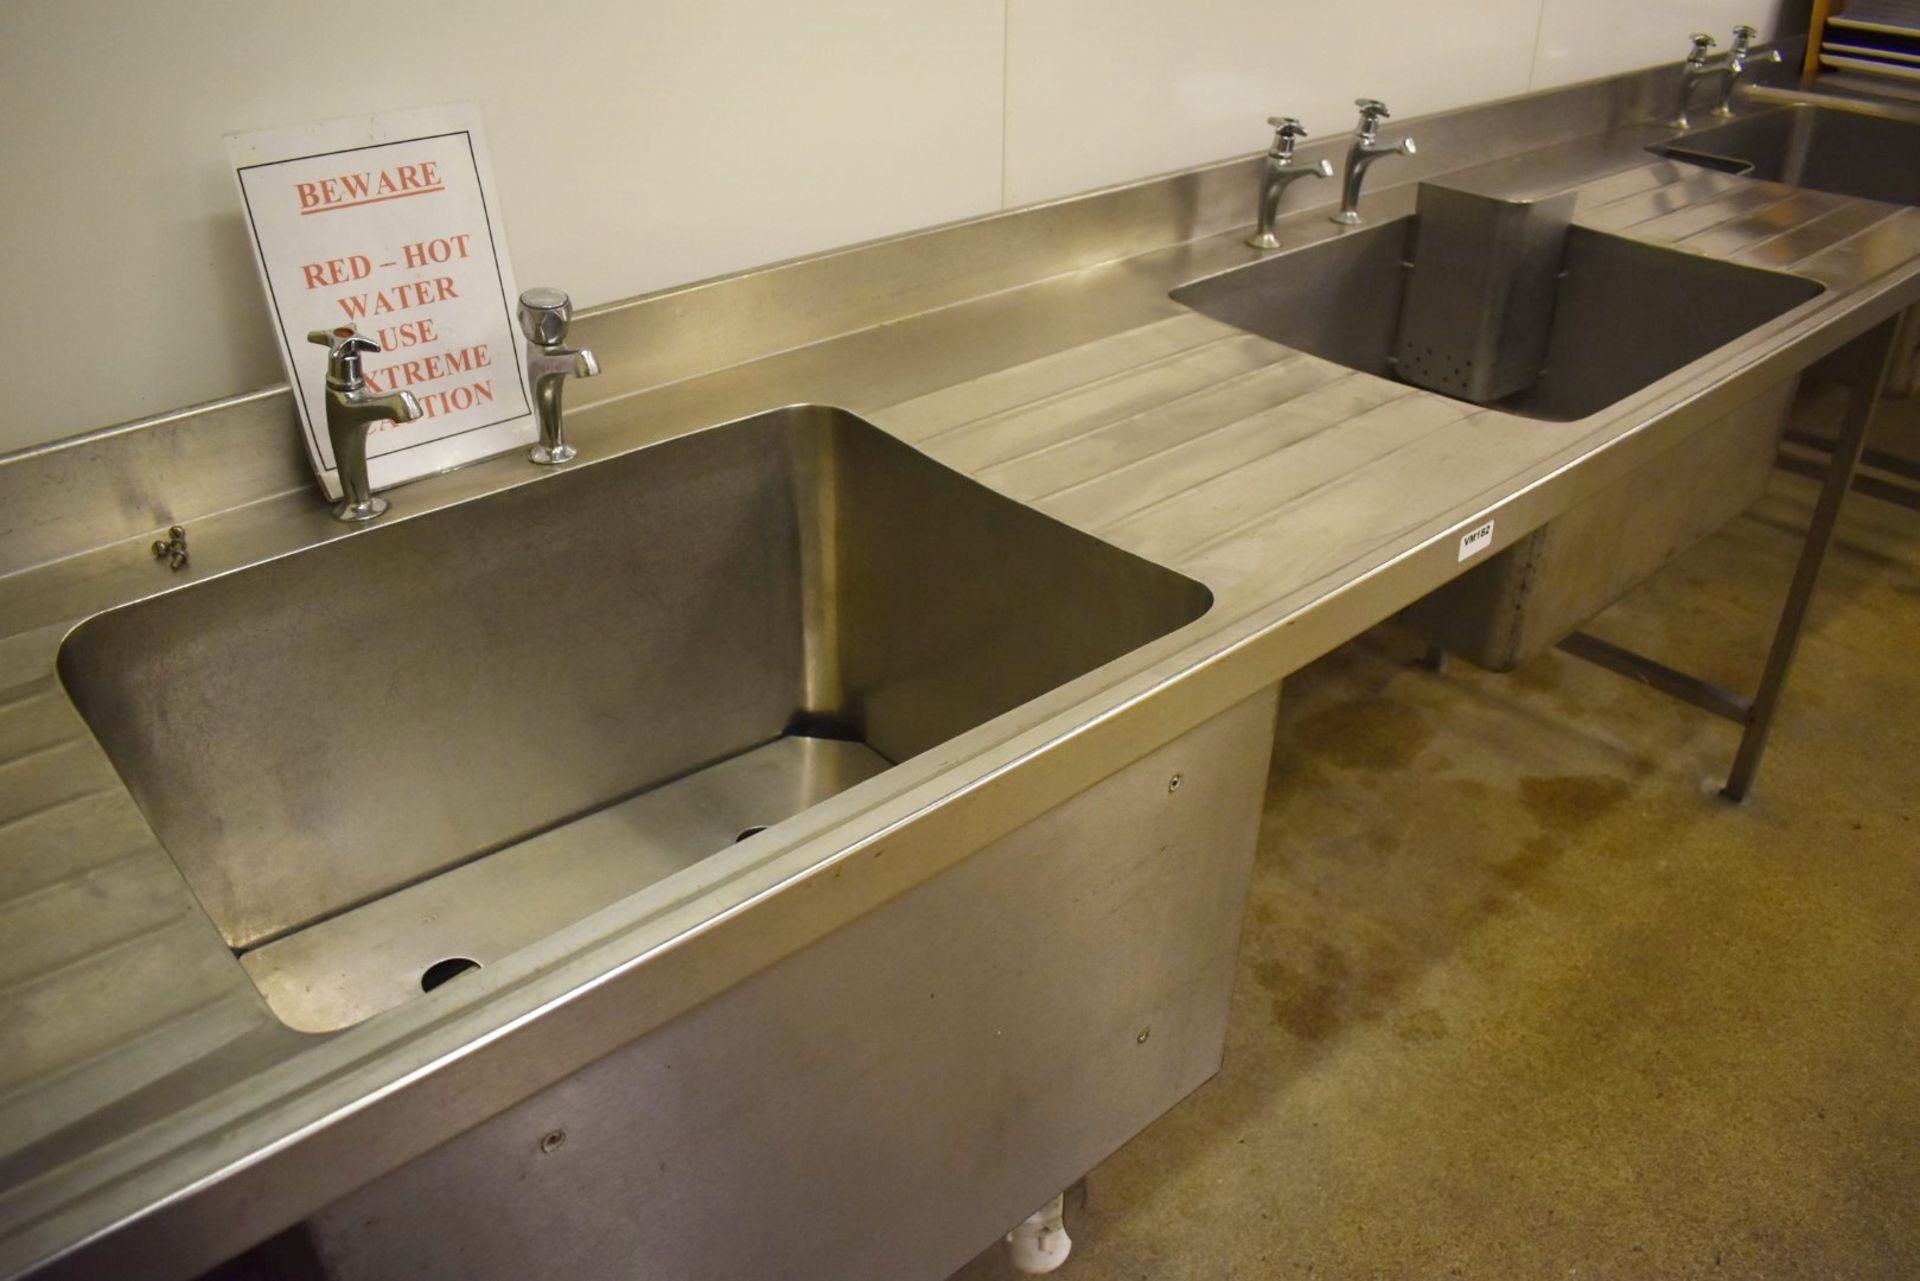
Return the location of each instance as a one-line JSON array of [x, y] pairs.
[[838, 818]]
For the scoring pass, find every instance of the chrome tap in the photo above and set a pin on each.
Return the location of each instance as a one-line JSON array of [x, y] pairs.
[[1279, 173], [1740, 59], [544, 317], [1698, 66], [351, 412], [1361, 155]]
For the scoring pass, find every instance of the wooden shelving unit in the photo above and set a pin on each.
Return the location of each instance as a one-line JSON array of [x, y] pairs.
[[1878, 40]]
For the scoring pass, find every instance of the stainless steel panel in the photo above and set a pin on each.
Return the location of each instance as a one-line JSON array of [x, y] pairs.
[[154, 1125], [1849, 152], [885, 1103], [1629, 314], [318, 731], [129, 480], [1527, 598], [1480, 292], [1624, 313], [340, 970]]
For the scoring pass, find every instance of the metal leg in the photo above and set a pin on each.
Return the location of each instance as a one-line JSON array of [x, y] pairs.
[[1878, 459], [1874, 353], [1875, 349], [1901, 495], [1670, 681], [1435, 659]]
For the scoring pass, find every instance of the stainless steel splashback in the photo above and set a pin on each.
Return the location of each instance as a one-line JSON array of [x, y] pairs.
[[126, 481]]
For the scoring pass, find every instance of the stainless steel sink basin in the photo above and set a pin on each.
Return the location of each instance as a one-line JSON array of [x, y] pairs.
[[1851, 153], [394, 756], [1624, 314]]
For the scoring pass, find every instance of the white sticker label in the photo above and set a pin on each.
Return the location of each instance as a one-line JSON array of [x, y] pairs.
[[1476, 540]]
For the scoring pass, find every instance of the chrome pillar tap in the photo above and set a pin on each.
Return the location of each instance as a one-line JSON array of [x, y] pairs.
[[544, 317], [351, 412], [1279, 173], [1740, 59], [1362, 153], [1698, 66]]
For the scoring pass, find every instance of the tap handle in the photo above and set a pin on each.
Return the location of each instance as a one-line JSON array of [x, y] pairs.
[[545, 315], [343, 340], [1743, 37], [1285, 130], [1372, 112], [1701, 43], [345, 345]]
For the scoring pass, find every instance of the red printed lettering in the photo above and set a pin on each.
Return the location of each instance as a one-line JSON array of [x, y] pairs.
[[344, 191], [434, 252], [336, 271]]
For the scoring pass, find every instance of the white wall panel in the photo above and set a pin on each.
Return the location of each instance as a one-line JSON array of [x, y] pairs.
[[1100, 93], [1582, 40], [643, 145], [635, 145]]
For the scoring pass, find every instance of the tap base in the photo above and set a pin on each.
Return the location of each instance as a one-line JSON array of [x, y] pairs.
[[354, 513], [1345, 218], [553, 457], [1265, 240]]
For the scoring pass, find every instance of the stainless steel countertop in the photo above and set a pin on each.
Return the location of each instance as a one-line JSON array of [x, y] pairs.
[[154, 1114]]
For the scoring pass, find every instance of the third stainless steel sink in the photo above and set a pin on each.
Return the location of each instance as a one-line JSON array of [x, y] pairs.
[[1849, 152], [395, 756], [1623, 314]]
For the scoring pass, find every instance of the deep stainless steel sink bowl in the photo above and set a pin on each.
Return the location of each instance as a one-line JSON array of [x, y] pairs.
[[420, 746], [1850, 153], [1624, 314]]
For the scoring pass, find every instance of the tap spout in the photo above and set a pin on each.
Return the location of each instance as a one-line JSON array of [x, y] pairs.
[[351, 413], [350, 416], [1361, 155], [545, 315], [1740, 60], [1698, 66], [1281, 171]]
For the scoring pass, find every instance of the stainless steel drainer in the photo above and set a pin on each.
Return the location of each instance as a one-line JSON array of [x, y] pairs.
[[1479, 300]]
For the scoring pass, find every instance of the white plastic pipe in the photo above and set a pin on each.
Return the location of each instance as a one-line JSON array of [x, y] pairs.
[[1040, 1244]]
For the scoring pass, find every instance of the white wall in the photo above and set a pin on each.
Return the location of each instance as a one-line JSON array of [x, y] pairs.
[[1582, 39], [1099, 92], [647, 144]]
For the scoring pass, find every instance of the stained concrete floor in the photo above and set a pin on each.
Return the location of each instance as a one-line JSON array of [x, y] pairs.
[[1520, 996]]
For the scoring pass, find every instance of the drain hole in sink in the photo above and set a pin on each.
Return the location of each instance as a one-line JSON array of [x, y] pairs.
[[440, 971], [745, 832]]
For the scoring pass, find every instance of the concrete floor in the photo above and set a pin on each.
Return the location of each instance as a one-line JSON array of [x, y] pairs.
[[1520, 996]]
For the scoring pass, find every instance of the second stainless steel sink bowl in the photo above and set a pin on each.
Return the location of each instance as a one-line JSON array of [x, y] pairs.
[[395, 756], [1848, 152], [1624, 314]]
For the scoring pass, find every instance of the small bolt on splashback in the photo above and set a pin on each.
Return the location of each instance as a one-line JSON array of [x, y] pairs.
[[173, 548]]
